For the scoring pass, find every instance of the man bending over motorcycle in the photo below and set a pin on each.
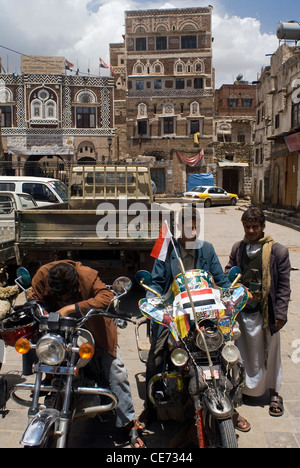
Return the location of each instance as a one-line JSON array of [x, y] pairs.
[[70, 288]]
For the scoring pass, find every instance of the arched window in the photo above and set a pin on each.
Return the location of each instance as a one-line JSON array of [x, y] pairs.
[[5, 93], [142, 110], [179, 68], [43, 105], [36, 109], [86, 97], [158, 68], [199, 67], [233, 100], [50, 110], [138, 68], [247, 101], [195, 108]]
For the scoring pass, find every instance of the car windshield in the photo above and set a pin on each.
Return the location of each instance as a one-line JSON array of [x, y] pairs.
[[61, 189], [199, 189]]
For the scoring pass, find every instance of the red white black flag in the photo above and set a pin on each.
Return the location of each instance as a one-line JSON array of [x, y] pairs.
[[102, 64], [163, 245]]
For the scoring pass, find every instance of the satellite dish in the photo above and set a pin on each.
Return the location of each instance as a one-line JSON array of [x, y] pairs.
[[240, 77]]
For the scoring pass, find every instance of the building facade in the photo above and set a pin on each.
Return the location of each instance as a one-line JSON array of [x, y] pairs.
[[234, 123], [50, 120], [276, 170], [166, 63]]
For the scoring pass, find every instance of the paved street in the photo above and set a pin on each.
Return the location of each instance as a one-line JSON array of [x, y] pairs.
[[222, 228]]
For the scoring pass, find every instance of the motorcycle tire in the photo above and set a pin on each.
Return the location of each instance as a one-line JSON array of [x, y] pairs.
[[227, 433], [219, 433]]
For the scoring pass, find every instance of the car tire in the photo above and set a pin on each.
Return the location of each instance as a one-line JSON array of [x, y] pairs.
[[233, 202], [207, 203]]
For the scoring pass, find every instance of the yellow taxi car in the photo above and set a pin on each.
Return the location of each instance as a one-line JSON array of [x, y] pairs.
[[211, 196]]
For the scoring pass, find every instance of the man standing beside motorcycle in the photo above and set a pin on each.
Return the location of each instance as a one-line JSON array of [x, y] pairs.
[[195, 254], [70, 288], [265, 269]]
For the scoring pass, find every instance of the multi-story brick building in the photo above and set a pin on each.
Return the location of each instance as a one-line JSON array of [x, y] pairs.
[[166, 62], [234, 122], [276, 170], [50, 119]]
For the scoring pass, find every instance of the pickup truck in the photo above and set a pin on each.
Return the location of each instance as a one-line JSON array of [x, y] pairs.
[[10, 203], [110, 222]]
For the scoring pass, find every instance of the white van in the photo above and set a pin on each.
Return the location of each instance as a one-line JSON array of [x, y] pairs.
[[44, 191]]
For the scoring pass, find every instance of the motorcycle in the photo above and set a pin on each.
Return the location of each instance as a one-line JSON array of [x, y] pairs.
[[202, 373], [65, 350]]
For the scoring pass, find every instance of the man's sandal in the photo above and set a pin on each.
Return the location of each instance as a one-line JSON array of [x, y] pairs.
[[276, 408], [240, 423], [133, 428], [135, 439]]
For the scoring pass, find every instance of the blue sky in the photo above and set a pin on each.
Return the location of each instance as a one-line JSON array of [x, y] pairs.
[[81, 30], [269, 12]]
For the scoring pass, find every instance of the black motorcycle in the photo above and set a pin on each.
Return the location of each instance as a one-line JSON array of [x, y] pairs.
[[202, 374], [64, 350]]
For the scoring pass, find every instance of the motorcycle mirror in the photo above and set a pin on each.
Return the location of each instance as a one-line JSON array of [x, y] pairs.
[[122, 284], [233, 273], [24, 276], [144, 277]]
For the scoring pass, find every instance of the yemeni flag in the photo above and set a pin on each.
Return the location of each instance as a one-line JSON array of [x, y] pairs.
[[102, 64], [163, 245], [68, 65], [204, 300]]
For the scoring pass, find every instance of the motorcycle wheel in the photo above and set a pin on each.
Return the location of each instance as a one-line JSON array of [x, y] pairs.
[[51, 440], [219, 433], [227, 433]]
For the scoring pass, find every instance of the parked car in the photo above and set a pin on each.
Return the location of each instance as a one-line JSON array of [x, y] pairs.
[[44, 191], [10, 203], [211, 196]]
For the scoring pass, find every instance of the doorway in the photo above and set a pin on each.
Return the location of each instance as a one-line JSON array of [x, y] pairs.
[[231, 180]]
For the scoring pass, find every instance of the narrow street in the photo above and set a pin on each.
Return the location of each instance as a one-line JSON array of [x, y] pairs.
[[222, 228]]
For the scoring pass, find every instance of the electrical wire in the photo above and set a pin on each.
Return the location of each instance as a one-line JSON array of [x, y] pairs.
[[49, 63]]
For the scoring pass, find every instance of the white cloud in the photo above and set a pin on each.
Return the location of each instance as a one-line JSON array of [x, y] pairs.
[[63, 28], [239, 47], [81, 31]]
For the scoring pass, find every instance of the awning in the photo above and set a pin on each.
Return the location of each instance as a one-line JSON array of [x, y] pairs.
[[232, 164]]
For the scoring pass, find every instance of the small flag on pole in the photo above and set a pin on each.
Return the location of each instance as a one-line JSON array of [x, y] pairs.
[[163, 245], [68, 64], [102, 64]]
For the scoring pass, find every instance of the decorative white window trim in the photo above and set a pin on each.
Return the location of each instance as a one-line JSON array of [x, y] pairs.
[[5, 94], [179, 68], [199, 66], [155, 66], [142, 110], [85, 96], [195, 109]]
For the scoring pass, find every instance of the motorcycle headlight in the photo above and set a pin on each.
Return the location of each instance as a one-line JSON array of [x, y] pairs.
[[51, 350], [214, 339], [230, 354], [179, 357]]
